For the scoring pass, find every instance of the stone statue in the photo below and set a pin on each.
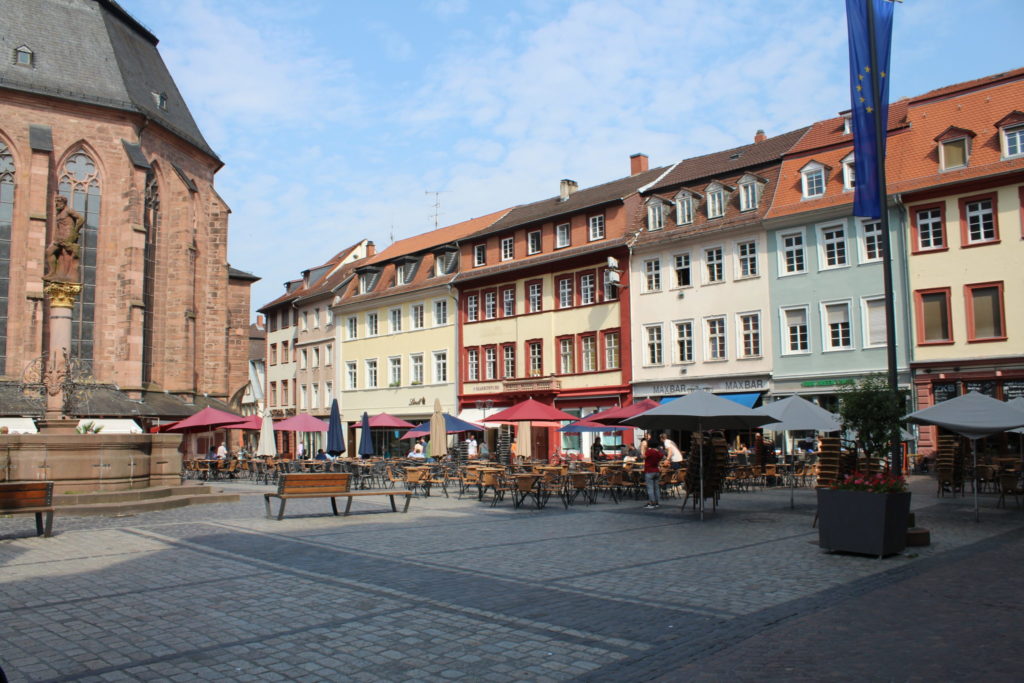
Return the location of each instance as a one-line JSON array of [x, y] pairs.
[[62, 253]]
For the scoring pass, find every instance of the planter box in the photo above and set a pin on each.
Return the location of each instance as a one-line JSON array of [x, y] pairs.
[[863, 522]]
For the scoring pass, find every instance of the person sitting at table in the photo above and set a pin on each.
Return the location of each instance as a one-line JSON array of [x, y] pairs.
[[631, 456], [212, 454], [320, 455]]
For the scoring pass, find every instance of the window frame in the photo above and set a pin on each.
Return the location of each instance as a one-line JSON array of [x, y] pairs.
[[372, 324], [416, 369], [596, 227], [824, 242], [813, 169], [565, 347], [508, 355], [655, 215], [652, 275], [944, 144], [534, 242], [505, 299], [710, 337], [490, 304], [371, 373], [472, 364], [865, 322], [965, 232], [395, 321], [472, 307], [418, 313], [676, 270], [480, 255], [440, 304], [581, 278], [352, 374], [535, 367], [489, 362], [606, 346], [436, 357], [680, 340], [866, 236], [920, 322], [749, 195], [783, 252], [786, 347], [684, 201], [561, 243], [565, 299], [508, 248], [1004, 140], [915, 228], [394, 362], [530, 296], [714, 202], [849, 173], [581, 353], [754, 259], [755, 334], [720, 262], [648, 342], [352, 326], [969, 306], [826, 331]]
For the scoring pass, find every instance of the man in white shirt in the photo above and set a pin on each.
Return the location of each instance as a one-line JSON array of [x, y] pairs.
[[222, 451], [675, 456], [471, 446]]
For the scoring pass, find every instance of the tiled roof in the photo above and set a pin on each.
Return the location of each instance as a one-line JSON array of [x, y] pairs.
[[561, 255], [580, 200], [983, 82], [720, 163], [294, 289], [830, 131], [420, 246]]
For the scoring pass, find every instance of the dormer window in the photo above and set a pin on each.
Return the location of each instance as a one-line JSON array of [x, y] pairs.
[[444, 261], [954, 147], [1011, 134], [715, 200], [750, 192], [847, 124], [812, 179], [849, 173], [479, 255], [160, 99], [368, 280], [23, 56], [405, 270], [684, 208], [655, 214]]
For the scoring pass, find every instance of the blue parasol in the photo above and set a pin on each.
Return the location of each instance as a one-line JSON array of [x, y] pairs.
[[335, 432], [365, 438]]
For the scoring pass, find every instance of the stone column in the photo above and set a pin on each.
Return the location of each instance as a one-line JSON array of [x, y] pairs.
[[62, 297]]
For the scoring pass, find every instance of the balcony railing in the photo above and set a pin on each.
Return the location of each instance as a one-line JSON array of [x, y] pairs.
[[531, 384]]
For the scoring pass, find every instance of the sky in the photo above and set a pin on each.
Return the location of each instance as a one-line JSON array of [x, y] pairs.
[[338, 120]]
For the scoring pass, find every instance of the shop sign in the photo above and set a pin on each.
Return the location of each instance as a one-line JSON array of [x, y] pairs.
[[825, 382]]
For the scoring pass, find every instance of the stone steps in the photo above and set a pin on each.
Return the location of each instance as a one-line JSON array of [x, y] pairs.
[[139, 500]]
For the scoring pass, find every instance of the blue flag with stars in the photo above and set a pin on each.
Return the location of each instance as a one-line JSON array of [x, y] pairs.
[[866, 146]]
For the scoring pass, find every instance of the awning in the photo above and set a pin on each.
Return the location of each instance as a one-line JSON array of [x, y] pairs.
[[19, 425], [747, 400], [113, 426]]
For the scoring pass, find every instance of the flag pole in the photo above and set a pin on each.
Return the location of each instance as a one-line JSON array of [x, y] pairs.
[[881, 129]]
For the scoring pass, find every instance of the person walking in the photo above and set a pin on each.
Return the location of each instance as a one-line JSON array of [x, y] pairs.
[[652, 475], [471, 446]]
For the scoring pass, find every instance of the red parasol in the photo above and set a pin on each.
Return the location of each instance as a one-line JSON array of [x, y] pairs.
[[614, 416], [207, 418], [252, 422], [301, 423], [385, 420], [531, 410]]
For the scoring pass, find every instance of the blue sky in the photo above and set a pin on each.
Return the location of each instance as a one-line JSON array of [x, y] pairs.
[[335, 118]]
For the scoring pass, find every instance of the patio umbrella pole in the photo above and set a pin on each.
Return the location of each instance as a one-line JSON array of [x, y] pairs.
[[701, 437], [974, 453]]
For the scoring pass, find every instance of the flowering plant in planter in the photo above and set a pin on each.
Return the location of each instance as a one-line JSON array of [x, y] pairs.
[[872, 483]]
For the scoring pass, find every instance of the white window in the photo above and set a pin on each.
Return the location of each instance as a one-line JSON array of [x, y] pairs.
[[371, 324], [440, 366], [536, 359], [367, 282], [750, 335], [416, 361], [316, 356], [353, 327], [838, 334], [441, 312], [954, 153], [395, 371], [794, 258], [328, 317], [812, 178], [588, 289], [508, 353], [328, 394], [716, 203], [714, 263], [684, 341], [473, 365], [749, 192], [329, 354], [316, 318], [479, 255], [352, 374], [1013, 141], [653, 341], [508, 302], [417, 316], [305, 320], [314, 395], [874, 322], [562, 236], [490, 305], [371, 373], [717, 349], [929, 229], [655, 215], [681, 267], [566, 356], [302, 397], [746, 253], [872, 231], [981, 226], [395, 319], [596, 228], [565, 292], [611, 350], [832, 241], [533, 242], [303, 359], [473, 307], [507, 248], [795, 330], [684, 208], [490, 362], [849, 172], [652, 275], [535, 292], [588, 353]]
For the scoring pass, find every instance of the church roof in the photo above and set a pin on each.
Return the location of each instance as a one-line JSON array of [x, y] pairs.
[[93, 51]]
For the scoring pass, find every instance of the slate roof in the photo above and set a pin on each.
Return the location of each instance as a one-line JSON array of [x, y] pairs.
[[295, 289], [236, 274], [92, 51]]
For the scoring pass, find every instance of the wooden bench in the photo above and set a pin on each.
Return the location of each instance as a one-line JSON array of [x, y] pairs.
[[35, 497], [325, 485]]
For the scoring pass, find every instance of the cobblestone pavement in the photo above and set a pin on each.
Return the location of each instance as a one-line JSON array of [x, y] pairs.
[[458, 590]]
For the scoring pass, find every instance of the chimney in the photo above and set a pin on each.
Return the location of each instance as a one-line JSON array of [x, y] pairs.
[[638, 163], [759, 136], [371, 249], [261, 322], [566, 188]]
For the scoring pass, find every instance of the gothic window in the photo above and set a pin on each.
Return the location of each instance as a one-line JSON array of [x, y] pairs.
[[151, 222], [6, 218], [80, 183]]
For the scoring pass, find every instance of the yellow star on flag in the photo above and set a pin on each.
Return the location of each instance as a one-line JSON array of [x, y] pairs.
[[869, 110]]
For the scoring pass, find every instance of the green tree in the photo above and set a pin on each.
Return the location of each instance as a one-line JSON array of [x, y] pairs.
[[872, 411]]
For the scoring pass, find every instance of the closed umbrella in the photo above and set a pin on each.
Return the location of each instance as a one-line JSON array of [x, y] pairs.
[[365, 438], [696, 412], [438, 433], [335, 432], [973, 415], [267, 446]]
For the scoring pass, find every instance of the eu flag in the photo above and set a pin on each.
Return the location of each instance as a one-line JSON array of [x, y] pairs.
[[868, 74]]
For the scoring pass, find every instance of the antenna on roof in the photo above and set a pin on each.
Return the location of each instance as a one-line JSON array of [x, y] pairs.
[[437, 203]]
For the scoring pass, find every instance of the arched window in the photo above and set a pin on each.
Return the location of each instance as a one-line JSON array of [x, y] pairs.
[[6, 218], [80, 184], [151, 222]]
